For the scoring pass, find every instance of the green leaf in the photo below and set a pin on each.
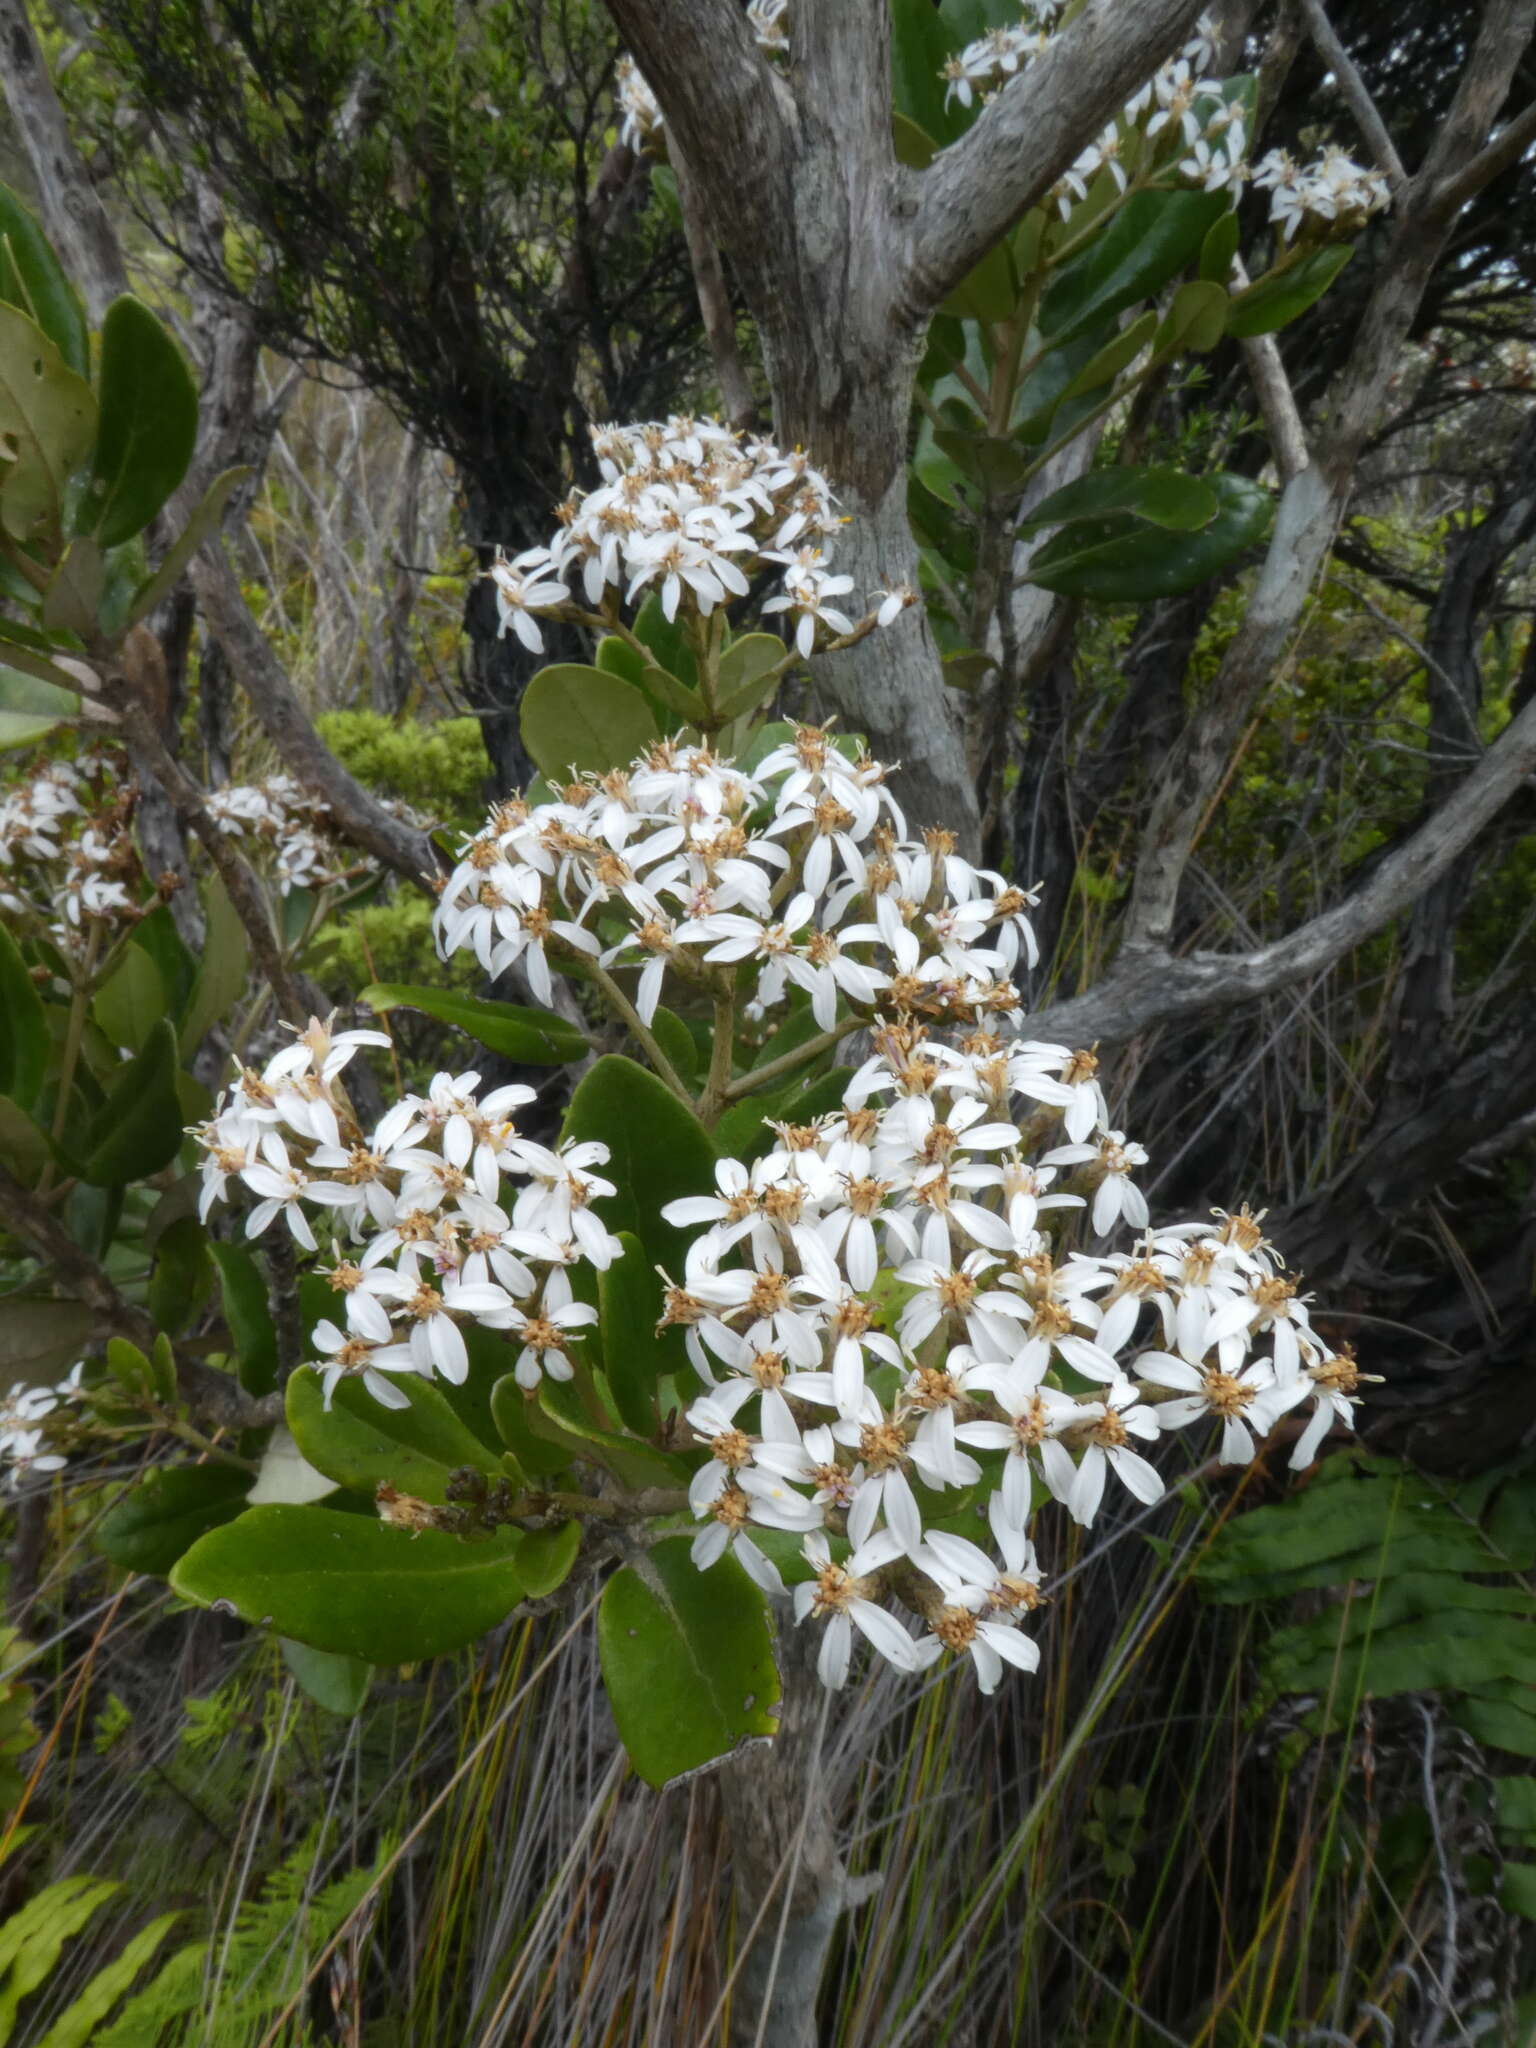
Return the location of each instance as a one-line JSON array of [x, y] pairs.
[[519, 1424], [23, 1030], [545, 1557], [31, 1939], [635, 1354], [677, 1042], [1196, 318], [148, 423], [560, 1413], [182, 1277], [920, 47], [1114, 357], [132, 1000], [30, 708], [1219, 247], [362, 1444], [159, 1519], [49, 425], [222, 972], [1123, 560], [664, 693], [339, 1684], [203, 522], [138, 1128], [1148, 241], [79, 2022], [41, 1340], [688, 1660], [344, 1583], [32, 279], [998, 467], [537, 1038], [73, 597], [668, 642], [24, 1144], [577, 718], [1274, 301], [251, 1329], [989, 292], [658, 1151], [1164, 497], [749, 672]]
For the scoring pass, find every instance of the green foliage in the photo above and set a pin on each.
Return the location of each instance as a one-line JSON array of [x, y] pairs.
[[1129, 558], [360, 1443], [23, 1032], [17, 1732], [577, 718], [343, 1583], [687, 1659], [536, 1037], [163, 1514], [263, 1968], [148, 423], [438, 769], [658, 1151], [32, 279]]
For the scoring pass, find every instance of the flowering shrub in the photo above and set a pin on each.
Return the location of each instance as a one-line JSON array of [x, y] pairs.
[[753, 1324], [922, 1297]]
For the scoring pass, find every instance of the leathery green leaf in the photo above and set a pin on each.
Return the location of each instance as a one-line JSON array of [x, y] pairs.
[[688, 1660], [344, 1583]]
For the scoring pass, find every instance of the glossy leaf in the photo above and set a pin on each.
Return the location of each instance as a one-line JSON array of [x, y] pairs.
[[222, 970], [182, 1277], [350, 1584], [920, 47], [668, 642], [131, 1000], [159, 1519], [1114, 357], [251, 1329], [32, 279], [148, 422], [159, 938], [561, 1413], [635, 1354], [577, 718], [518, 1422], [1123, 560], [204, 521], [748, 672], [29, 707], [545, 1558], [1196, 318], [687, 1658], [23, 1030], [138, 1128], [1219, 247], [361, 1444], [537, 1038], [1164, 497], [658, 1151], [50, 422], [1148, 241], [339, 1684], [1274, 301]]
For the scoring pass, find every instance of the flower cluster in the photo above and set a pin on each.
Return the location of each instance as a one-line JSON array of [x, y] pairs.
[[900, 1344], [25, 1444], [692, 511], [69, 863], [642, 119], [1333, 189], [1180, 102], [441, 1215], [684, 864]]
